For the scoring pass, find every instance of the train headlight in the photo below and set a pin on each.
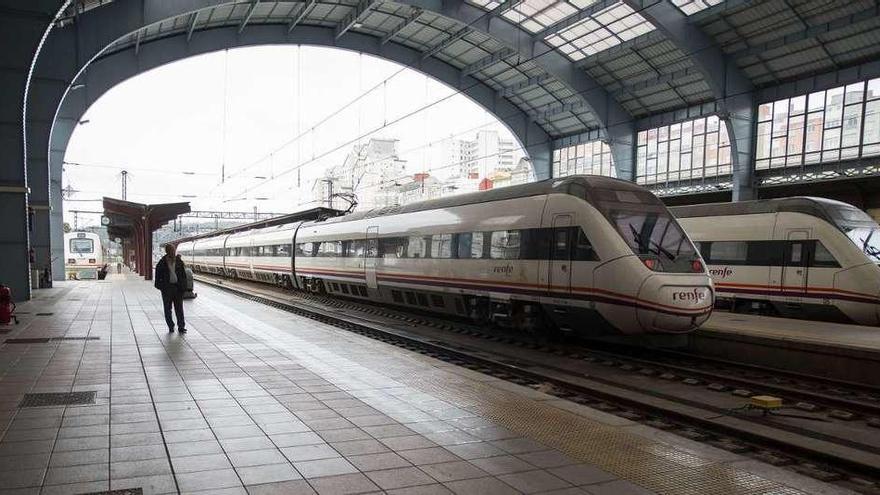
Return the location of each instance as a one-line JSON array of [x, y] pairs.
[[71, 261], [697, 266], [92, 260], [652, 263]]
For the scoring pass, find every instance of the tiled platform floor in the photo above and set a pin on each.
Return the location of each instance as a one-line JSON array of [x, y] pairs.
[[260, 401]]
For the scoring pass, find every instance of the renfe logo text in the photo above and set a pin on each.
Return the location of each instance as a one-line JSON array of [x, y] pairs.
[[723, 272], [694, 295]]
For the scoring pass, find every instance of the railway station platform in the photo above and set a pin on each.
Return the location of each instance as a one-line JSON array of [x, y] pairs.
[[845, 352], [96, 395]]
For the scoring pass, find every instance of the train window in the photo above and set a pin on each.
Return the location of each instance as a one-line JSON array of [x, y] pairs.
[[822, 257], [561, 249], [423, 301], [764, 253], [82, 245], [463, 245], [330, 249], [794, 255], [534, 244], [505, 245], [283, 250], [583, 249], [397, 296], [437, 300], [371, 248], [416, 247], [730, 252], [353, 248], [304, 249], [392, 247], [441, 246]]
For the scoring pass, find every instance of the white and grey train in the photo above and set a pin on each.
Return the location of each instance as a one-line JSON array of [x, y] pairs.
[[799, 257], [584, 254]]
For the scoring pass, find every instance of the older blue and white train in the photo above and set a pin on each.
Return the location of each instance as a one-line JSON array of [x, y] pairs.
[[583, 254]]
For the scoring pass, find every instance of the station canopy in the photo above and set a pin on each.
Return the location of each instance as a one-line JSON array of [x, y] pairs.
[[614, 44]]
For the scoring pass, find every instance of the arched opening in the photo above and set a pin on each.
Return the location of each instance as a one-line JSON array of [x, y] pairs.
[[280, 128]]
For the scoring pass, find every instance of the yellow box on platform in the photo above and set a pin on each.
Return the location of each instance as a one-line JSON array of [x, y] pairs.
[[766, 402]]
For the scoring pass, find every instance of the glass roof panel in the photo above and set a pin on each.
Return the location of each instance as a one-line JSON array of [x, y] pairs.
[[604, 29], [486, 4], [536, 15], [690, 7]]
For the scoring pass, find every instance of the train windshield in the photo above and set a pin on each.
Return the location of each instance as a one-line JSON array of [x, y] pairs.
[[648, 228], [82, 246], [867, 239], [860, 228]]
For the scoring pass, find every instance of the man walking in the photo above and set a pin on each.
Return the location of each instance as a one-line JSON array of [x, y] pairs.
[[171, 280]]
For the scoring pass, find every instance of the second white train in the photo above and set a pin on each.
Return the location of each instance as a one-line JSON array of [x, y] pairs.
[[803, 257]]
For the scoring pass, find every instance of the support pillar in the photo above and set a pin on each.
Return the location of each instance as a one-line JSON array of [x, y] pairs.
[[541, 155], [739, 117]]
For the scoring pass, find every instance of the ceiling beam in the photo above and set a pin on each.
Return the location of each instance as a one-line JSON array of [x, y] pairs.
[[247, 16], [357, 14], [531, 82], [413, 17], [446, 43], [192, 25], [554, 110], [644, 84], [304, 11], [810, 32], [137, 41], [489, 60]]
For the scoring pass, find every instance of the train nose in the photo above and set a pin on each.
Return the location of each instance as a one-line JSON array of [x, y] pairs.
[[674, 308]]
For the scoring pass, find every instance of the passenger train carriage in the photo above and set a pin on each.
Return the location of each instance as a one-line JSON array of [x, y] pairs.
[[83, 256], [805, 257], [585, 254]]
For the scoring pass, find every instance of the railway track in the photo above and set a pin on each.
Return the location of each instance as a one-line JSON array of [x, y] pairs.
[[830, 437]]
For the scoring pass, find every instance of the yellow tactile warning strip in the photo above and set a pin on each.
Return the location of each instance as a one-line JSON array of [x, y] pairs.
[[651, 464]]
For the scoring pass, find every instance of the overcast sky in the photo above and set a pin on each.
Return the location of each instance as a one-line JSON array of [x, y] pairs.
[[257, 111]]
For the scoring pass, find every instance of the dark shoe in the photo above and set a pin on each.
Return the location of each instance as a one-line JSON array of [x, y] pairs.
[[182, 330], [170, 329]]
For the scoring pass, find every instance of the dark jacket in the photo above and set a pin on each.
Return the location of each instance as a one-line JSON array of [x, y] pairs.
[[162, 274]]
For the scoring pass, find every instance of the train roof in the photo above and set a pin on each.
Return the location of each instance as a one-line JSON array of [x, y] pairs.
[[563, 185], [834, 212]]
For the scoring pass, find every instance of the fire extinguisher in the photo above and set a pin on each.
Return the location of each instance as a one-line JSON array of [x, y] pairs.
[[7, 307]]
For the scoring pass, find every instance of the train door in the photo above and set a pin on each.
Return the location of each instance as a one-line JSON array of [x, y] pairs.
[[371, 252], [794, 266], [560, 254]]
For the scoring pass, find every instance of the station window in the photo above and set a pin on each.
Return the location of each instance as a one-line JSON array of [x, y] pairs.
[[693, 149], [825, 126], [593, 158]]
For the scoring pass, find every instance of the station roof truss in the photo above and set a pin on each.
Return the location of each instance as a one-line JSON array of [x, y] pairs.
[[632, 61]]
